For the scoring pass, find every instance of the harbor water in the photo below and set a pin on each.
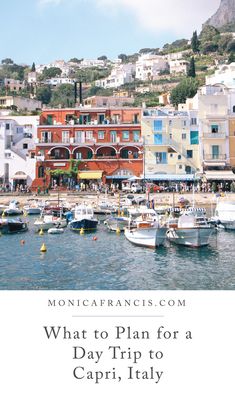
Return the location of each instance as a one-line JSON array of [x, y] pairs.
[[107, 261]]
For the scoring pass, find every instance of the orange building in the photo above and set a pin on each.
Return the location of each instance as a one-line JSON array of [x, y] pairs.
[[101, 144]]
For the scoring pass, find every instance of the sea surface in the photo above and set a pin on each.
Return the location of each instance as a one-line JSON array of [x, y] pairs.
[[110, 262]]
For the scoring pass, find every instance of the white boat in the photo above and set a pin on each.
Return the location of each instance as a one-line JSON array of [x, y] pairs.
[[55, 231], [190, 230], [13, 209], [48, 221], [147, 230], [33, 207], [225, 214], [115, 223]]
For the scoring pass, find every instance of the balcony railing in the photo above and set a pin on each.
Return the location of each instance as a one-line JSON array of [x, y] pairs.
[[215, 157], [214, 135]]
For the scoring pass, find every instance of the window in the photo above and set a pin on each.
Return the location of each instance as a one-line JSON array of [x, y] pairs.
[[184, 123], [89, 135], [179, 157], [214, 128], [124, 153], [180, 166], [7, 126], [79, 137], [100, 134], [188, 169], [170, 136], [50, 120], [136, 136], [233, 108], [32, 155], [157, 125], [170, 122], [65, 136], [184, 136], [41, 171], [135, 154], [25, 145], [158, 139], [113, 136], [171, 155], [189, 154], [125, 135], [193, 121], [194, 138], [215, 151], [46, 137], [161, 158], [89, 154], [78, 155]]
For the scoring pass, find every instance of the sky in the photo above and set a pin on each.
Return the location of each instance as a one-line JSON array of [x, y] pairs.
[[41, 31]]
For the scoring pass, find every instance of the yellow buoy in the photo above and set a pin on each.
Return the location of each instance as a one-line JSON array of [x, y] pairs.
[[41, 232], [82, 231], [25, 214], [118, 231], [43, 248], [3, 214], [122, 213]]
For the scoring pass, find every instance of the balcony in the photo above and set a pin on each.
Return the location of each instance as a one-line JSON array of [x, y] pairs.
[[214, 135], [215, 157]]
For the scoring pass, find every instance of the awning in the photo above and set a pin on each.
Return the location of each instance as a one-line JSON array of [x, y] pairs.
[[90, 175], [118, 177], [219, 175], [170, 177], [19, 177]]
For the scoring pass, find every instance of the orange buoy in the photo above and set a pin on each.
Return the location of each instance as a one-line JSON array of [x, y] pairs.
[[94, 238], [22, 242]]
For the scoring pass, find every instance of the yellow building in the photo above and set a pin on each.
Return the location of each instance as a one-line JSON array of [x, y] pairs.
[[171, 144]]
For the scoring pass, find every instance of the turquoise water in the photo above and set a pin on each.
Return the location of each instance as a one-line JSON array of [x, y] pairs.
[[75, 261]]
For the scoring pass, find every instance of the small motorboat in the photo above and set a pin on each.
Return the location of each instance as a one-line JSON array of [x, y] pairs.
[[115, 223], [50, 219], [13, 209], [83, 219], [55, 231], [190, 230], [33, 207], [10, 226], [224, 215], [146, 230]]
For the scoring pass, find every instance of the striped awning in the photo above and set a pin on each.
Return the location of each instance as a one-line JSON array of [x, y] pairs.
[[88, 175], [170, 177], [219, 175]]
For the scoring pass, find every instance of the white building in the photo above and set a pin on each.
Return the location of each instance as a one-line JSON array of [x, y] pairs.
[[86, 63], [17, 146], [120, 74], [178, 66], [224, 75], [148, 66], [59, 81]]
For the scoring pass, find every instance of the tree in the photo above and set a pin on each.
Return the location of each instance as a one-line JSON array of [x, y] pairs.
[[195, 43], [231, 46], [187, 88], [191, 70], [51, 72], [33, 68], [63, 95], [123, 57], [209, 39], [75, 60], [102, 58], [7, 61], [231, 58], [44, 94]]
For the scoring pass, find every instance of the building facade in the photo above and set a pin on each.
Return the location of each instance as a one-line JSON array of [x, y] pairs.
[[171, 144], [104, 145]]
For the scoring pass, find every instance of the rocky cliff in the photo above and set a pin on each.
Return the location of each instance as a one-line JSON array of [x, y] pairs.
[[225, 15]]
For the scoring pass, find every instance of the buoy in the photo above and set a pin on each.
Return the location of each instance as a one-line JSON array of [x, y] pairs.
[[94, 238], [3, 214], [122, 213], [22, 242], [43, 248], [118, 231], [82, 231], [41, 232], [25, 214]]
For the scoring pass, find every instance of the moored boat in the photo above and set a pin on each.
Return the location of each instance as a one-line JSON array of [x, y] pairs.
[[190, 230], [10, 226], [225, 215], [83, 219]]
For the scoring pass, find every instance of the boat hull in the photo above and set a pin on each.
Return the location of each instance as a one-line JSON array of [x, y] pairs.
[[148, 237], [117, 223], [11, 227], [45, 225], [32, 210], [85, 224], [192, 237]]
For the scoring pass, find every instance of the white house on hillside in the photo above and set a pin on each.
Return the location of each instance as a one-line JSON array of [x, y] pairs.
[[148, 66], [17, 145]]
